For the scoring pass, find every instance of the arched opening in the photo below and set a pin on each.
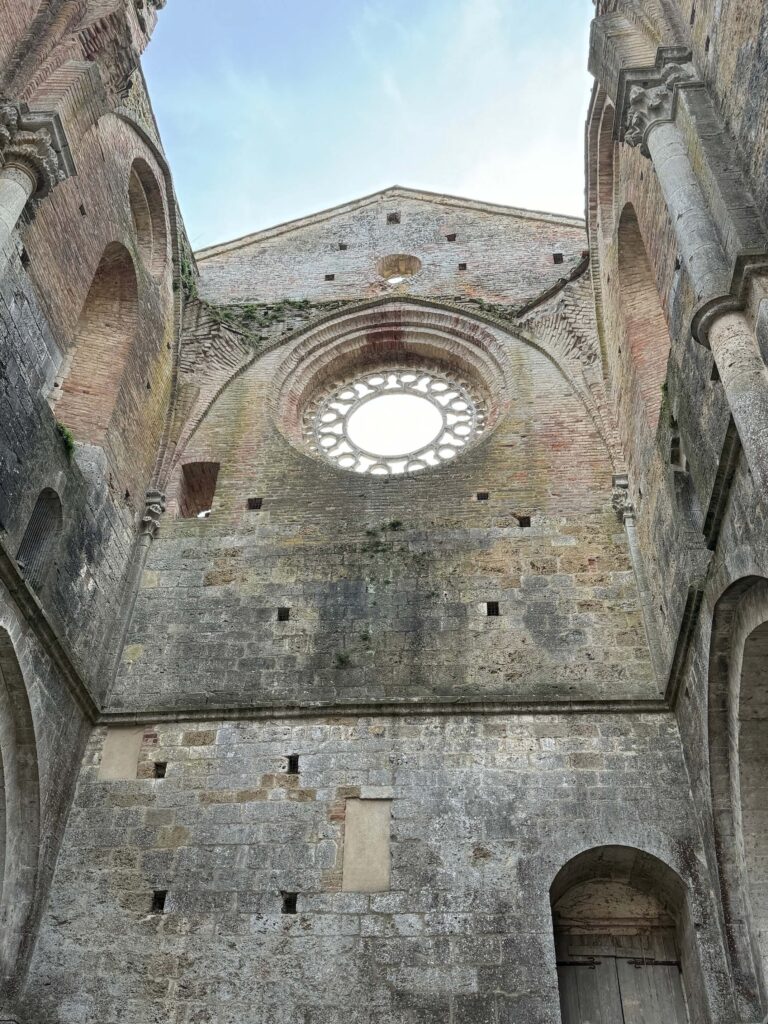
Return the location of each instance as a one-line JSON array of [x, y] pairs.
[[738, 759], [605, 151], [40, 536], [148, 213], [197, 487], [620, 937], [645, 326], [86, 393], [21, 800], [753, 771]]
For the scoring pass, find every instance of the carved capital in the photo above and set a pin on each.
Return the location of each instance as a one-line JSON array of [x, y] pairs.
[[620, 500], [154, 506], [35, 141], [652, 101]]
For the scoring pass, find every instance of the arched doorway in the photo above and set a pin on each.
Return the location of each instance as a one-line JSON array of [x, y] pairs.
[[738, 763], [618, 921]]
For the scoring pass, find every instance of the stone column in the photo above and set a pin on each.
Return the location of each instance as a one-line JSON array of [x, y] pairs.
[[649, 122], [34, 158]]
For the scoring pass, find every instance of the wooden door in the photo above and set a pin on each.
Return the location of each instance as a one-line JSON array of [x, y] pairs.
[[620, 980]]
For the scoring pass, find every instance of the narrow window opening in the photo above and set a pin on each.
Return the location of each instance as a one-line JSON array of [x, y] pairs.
[[693, 14], [158, 901], [557, 257], [462, 266], [254, 504], [24, 257], [707, 42], [290, 901], [715, 375], [393, 218], [40, 537], [293, 764], [523, 522], [160, 769], [483, 495], [330, 277], [451, 237], [82, 210], [197, 488], [283, 614], [492, 608]]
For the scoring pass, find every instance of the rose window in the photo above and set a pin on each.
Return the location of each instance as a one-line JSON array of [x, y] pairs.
[[395, 421]]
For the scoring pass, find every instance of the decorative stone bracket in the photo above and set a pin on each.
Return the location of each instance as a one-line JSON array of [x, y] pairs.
[[622, 505], [154, 506], [36, 142], [653, 102]]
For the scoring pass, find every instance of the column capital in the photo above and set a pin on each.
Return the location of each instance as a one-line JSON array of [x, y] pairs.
[[647, 96], [154, 507], [620, 500], [35, 140]]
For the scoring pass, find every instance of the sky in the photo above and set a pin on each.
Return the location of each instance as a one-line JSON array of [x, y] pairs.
[[273, 109]]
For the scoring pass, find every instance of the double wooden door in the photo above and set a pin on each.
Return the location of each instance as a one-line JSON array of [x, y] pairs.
[[621, 979]]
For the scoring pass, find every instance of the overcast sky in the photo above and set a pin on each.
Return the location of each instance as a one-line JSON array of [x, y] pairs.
[[272, 109]]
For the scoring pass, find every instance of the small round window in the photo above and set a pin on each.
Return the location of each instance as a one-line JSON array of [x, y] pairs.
[[395, 421], [395, 269]]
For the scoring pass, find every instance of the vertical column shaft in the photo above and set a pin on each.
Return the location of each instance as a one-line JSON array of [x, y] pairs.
[[17, 184], [731, 337]]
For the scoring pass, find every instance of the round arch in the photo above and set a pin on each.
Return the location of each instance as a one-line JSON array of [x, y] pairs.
[[147, 207], [86, 392], [617, 909], [643, 320]]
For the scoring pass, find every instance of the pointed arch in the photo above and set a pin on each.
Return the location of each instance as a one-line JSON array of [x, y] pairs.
[[474, 339]]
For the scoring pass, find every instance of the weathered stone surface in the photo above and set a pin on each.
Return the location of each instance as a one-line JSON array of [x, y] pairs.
[[180, 761]]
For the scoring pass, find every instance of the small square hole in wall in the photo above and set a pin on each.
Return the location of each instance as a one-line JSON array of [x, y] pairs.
[[290, 900], [161, 767], [393, 218], [557, 257], [462, 266], [158, 901], [283, 614], [330, 277], [254, 504], [292, 767], [343, 246], [483, 495], [492, 608], [451, 237], [523, 521]]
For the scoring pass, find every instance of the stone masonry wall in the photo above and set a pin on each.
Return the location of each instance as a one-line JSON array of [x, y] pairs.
[[387, 580], [509, 255], [485, 812]]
